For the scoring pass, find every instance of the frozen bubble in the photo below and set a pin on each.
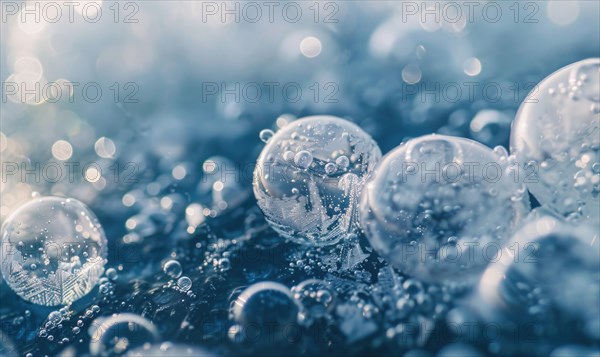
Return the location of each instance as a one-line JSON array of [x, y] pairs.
[[120, 333], [266, 305], [302, 196], [54, 251], [547, 274], [439, 208], [555, 135], [172, 268]]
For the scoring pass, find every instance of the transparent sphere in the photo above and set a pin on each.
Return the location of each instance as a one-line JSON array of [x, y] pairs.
[[266, 307], [439, 208], [550, 276], [53, 251], [556, 138], [309, 175], [120, 333]]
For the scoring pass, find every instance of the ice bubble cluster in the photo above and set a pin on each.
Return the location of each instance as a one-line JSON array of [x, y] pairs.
[[556, 136], [309, 175], [53, 251], [440, 208], [316, 297]]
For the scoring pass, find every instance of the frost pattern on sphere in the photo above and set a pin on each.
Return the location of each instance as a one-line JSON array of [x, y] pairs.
[[309, 175], [53, 251], [556, 133], [439, 207]]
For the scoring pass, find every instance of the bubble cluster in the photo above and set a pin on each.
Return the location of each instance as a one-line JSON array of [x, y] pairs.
[[309, 175], [440, 208], [53, 251], [556, 136], [316, 297]]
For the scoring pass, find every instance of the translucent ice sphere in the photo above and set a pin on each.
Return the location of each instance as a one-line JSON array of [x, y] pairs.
[[439, 208], [548, 274], [556, 137], [309, 175], [266, 306], [53, 251]]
